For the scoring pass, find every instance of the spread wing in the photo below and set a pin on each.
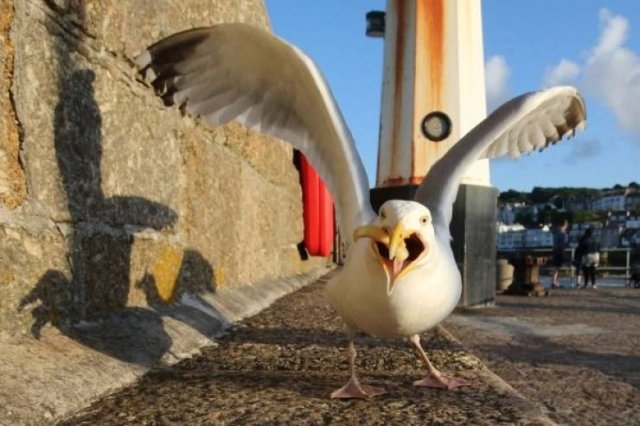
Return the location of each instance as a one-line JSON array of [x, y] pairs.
[[532, 121], [239, 72]]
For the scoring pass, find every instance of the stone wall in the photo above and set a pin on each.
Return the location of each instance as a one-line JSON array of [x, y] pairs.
[[108, 200]]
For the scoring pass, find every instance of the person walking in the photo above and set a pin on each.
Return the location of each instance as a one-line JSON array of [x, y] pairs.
[[560, 240], [577, 262], [590, 258]]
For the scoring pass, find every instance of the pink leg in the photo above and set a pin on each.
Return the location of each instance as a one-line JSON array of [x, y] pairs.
[[353, 388], [435, 379]]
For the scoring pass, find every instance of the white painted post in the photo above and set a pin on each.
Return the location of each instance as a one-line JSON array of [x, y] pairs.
[[433, 61]]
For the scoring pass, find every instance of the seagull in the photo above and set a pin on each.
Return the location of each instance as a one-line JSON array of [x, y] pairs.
[[400, 277]]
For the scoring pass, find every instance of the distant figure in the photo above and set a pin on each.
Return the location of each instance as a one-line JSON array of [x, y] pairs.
[[577, 262], [634, 278], [590, 258], [560, 239]]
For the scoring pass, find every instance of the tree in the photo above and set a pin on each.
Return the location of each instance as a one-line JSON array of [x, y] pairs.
[[541, 195], [512, 196], [581, 216]]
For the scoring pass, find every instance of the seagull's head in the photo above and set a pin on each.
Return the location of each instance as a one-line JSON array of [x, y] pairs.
[[402, 237]]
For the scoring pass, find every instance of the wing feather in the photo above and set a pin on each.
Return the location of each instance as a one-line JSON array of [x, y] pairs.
[[239, 72], [526, 123]]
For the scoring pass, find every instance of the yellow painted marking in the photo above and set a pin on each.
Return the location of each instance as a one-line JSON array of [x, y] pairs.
[[165, 272]]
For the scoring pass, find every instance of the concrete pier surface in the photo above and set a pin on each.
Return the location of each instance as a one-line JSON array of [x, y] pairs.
[[576, 354], [279, 367], [571, 358]]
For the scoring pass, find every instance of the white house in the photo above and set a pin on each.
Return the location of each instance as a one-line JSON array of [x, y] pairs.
[[609, 202], [513, 238]]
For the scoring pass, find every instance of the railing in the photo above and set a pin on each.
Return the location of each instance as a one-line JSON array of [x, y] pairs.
[[615, 263]]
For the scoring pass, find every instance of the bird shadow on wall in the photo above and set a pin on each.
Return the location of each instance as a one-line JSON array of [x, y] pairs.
[[101, 238], [185, 302], [100, 247]]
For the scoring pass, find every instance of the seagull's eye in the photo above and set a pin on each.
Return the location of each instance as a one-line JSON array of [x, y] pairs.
[[382, 214], [424, 220]]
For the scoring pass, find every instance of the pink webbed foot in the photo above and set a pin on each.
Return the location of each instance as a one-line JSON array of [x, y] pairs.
[[441, 381], [354, 389]]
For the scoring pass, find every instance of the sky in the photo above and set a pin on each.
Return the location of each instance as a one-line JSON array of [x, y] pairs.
[[528, 45]]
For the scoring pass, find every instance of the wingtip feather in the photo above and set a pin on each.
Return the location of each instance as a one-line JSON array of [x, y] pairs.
[[143, 59]]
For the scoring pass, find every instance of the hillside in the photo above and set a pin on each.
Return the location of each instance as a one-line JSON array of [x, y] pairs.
[[546, 194]]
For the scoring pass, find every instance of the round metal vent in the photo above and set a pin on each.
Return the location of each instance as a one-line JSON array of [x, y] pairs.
[[436, 126]]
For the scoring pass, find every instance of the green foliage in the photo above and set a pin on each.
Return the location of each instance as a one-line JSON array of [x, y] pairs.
[[526, 219], [557, 217], [512, 196], [540, 195], [555, 196], [581, 216]]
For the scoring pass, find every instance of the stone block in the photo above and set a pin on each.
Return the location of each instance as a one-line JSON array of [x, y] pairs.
[[35, 287], [13, 186], [126, 26]]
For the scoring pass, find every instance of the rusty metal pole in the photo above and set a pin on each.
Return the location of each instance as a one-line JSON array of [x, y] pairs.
[[433, 61], [434, 67]]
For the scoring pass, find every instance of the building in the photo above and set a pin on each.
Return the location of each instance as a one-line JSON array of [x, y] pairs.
[[609, 202], [577, 203], [633, 202], [507, 214], [618, 230], [518, 238]]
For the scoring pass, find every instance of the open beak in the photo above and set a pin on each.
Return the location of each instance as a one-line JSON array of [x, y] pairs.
[[396, 250]]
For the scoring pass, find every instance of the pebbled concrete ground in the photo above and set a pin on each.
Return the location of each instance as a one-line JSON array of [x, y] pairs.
[[279, 367], [576, 354], [67, 368]]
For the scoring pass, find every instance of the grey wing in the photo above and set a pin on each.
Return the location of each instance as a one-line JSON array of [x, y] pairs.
[[239, 72], [532, 121]]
